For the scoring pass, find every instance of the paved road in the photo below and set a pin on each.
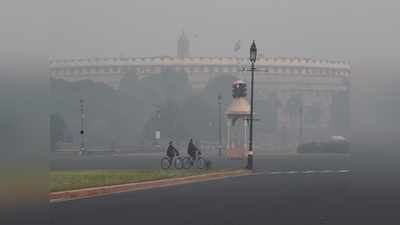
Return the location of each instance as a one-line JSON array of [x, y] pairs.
[[152, 161], [287, 190]]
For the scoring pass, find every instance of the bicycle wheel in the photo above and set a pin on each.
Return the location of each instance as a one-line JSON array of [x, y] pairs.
[[165, 163], [178, 163], [200, 163], [187, 162]]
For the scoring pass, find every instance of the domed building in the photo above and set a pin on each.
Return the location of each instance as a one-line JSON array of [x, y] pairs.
[[291, 93]]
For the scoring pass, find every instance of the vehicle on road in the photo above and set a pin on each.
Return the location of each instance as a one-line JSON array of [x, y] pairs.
[[336, 144]]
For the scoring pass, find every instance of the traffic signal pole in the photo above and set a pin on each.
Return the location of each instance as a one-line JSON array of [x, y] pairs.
[[82, 132]]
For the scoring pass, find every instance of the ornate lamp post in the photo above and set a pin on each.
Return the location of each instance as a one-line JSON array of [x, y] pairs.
[[253, 57]]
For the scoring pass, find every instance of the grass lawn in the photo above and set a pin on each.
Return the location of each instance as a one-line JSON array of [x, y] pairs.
[[77, 179]]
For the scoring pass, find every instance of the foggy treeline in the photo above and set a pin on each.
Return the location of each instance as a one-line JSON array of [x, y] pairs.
[[129, 115], [132, 114]]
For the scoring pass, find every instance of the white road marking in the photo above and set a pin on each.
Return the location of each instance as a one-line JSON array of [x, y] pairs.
[[275, 172], [305, 172], [292, 172]]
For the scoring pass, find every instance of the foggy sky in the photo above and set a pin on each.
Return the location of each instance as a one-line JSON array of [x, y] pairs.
[[364, 32], [341, 29]]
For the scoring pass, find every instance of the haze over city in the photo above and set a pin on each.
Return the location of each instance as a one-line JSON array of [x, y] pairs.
[[362, 34]]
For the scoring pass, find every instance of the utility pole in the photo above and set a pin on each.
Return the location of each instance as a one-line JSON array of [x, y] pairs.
[[157, 133], [219, 124], [82, 132]]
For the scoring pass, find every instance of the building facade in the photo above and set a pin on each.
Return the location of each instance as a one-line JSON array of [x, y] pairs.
[[307, 99]]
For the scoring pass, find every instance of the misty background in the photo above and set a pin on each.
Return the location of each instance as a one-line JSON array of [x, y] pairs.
[[365, 33]]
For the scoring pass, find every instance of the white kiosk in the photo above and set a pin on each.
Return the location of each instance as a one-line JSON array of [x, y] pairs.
[[238, 115]]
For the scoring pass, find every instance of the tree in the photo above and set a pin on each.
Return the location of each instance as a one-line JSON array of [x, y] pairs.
[[169, 85], [57, 130], [220, 85], [267, 112], [138, 98], [168, 121], [199, 118], [128, 84], [175, 85], [101, 108]]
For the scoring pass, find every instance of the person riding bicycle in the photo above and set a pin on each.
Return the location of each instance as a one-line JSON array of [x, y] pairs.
[[193, 150], [171, 151]]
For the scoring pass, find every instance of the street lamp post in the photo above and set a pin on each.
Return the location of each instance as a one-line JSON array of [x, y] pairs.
[[219, 125], [253, 57]]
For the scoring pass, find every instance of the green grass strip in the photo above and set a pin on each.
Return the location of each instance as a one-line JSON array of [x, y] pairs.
[[77, 179]]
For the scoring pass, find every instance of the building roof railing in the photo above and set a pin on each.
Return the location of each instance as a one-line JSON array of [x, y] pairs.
[[197, 61]]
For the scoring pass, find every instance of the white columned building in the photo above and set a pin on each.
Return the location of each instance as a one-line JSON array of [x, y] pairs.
[[237, 117], [319, 86]]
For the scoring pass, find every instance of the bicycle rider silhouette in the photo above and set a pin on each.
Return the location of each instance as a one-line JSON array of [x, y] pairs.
[[171, 152], [193, 150]]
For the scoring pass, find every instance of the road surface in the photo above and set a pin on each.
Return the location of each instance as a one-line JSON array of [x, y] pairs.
[[357, 189]]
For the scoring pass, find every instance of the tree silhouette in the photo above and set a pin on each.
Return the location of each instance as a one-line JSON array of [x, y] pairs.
[[57, 130]]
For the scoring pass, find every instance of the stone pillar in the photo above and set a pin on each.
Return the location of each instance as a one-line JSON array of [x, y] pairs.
[[282, 114], [245, 133], [229, 126], [327, 102]]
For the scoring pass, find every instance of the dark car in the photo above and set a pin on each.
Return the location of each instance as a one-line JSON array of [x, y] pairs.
[[336, 144]]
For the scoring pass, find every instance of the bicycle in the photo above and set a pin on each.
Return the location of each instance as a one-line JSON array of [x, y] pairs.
[[189, 162], [166, 162]]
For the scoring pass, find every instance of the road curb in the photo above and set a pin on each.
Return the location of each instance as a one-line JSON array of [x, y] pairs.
[[107, 190]]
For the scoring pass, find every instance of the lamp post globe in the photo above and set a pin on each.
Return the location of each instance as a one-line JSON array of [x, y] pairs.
[[253, 52]]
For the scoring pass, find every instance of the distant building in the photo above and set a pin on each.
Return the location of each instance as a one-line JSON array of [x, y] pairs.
[[183, 47], [297, 98]]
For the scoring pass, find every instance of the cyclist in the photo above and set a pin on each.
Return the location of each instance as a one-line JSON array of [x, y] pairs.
[[193, 150], [171, 152]]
